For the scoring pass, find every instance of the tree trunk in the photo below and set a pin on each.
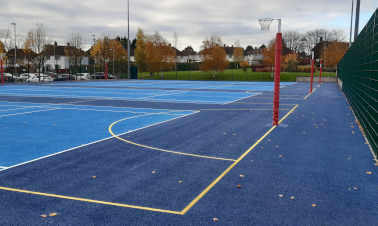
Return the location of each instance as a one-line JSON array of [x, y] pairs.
[[237, 65]]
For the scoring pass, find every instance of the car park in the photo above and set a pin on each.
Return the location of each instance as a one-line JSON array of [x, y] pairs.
[[8, 77], [61, 77], [84, 76], [40, 78], [23, 77], [52, 74], [98, 75]]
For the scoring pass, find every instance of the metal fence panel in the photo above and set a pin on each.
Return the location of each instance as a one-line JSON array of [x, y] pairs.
[[358, 70]]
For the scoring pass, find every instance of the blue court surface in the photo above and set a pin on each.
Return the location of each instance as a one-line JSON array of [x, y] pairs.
[[155, 153], [127, 94]]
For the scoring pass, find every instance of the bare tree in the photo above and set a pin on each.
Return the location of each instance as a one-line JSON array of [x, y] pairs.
[[40, 43], [73, 50], [337, 35], [6, 38], [292, 40]]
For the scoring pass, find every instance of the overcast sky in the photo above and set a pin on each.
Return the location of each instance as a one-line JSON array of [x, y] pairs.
[[192, 19]]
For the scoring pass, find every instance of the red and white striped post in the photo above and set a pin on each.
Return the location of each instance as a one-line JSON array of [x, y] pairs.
[[320, 72], [312, 71], [277, 74]]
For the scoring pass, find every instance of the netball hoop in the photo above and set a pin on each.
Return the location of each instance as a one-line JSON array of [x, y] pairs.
[[265, 25]]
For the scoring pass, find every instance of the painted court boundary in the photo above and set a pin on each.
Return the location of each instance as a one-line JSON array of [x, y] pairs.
[[153, 209]]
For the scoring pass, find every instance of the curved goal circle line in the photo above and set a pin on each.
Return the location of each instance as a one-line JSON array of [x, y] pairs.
[[159, 149]]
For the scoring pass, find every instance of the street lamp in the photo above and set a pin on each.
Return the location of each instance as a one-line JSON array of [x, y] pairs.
[[94, 60], [15, 47], [113, 60]]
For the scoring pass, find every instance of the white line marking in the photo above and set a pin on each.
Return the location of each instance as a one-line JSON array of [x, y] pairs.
[[84, 145], [27, 112]]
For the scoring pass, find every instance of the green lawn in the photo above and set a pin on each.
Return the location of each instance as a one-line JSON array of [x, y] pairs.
[[228, 75]]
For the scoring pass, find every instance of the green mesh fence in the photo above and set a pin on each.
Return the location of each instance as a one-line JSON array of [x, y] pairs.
[[358, 70]]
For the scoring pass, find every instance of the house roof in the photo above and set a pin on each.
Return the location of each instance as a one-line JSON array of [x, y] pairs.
[[255, 51], [187, 52], [19, 52]]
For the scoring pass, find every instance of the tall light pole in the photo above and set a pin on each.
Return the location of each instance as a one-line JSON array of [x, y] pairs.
[[55, 57], [128, 39], [94, 60], [357, 20], [15, 48], [351, 26], [113, 61]]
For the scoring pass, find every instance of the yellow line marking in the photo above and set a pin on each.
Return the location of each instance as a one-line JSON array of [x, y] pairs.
[[310, 94], [158, 149], [232, 166], [89, 200]]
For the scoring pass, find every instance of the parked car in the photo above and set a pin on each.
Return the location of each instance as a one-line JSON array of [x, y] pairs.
[[38, 78], [84, 76], [101, 75], [23, 77], [52, 74], [98, 75], [61, 77], [8, 77]]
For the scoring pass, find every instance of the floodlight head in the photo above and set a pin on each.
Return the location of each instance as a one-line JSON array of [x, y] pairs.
[[13, 23], [107, 60]]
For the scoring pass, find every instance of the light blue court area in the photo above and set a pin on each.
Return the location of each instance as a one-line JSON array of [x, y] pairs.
[[30, 131], [178, 96], [174, 84]]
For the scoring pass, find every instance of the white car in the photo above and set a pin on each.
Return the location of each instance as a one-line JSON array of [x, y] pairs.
[[8, 77], [84, 76], [42, 78], [23, 77]]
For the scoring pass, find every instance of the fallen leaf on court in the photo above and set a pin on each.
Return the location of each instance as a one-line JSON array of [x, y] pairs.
[[153, 171], [353, 132], [181, 181], [350, 189], [280, 156], [276, 146], [368, 172], [251, 160], [304, 132], [239, 186], [224, 133], [241, 175], [292, 197], [355, 188], [234, 134], [94, 176], [43, 216], [262, 147], [52, 214], [215, 219], [54, 124], [281, 196], [314, 205]]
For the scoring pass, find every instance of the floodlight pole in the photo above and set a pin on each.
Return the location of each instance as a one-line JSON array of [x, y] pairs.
[[128, 39], [94, 60], [351, 26], [2, 72], [320, 71], [277, 74], [106, 69], [312, 70], [15, 48]]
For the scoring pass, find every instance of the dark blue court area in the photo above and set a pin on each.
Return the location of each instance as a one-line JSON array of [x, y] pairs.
[[182, 153]]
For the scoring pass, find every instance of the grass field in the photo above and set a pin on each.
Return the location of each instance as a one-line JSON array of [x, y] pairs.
[[229, 75]]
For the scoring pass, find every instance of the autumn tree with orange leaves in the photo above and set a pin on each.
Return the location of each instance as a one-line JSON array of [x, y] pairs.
[[213, 55], [269, 55], [333, 53], [291, 60], [238, 54], [160, 56]]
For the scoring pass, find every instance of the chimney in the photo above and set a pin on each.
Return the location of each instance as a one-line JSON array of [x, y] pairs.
[[170, 45], [68, 44], [224, 45], [56, 44], [232, 46], [321, 39]]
